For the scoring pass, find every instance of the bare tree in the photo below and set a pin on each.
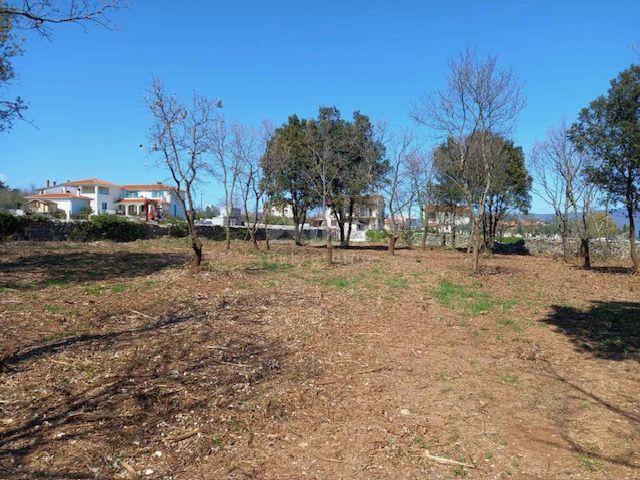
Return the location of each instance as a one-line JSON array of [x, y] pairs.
[[419, 171], [323, 138], [398, 191], [41, 15], [583, 201], [556, 165], [179, 135], [225, 167], [247, 146], [479, 101]]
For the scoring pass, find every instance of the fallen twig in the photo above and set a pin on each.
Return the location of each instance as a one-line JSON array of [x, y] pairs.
[[446, 461], [374, 370], [180, 438]]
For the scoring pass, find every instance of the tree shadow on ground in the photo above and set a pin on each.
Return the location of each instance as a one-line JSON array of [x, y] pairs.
[[622, 423], [608, 330], [363, 248], [613, 270], [514, 248], [107, 397], [42, 270]]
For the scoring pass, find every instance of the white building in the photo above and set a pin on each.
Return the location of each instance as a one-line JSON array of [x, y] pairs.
[[283, 211], [368, 214], [146, 201], [444, 217], [220, 217]]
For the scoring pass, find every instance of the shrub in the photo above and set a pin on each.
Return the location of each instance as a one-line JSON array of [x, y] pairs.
[[10, 225], [376, 236], [108, 227], [177, 227], [83, 213], [409, 237]]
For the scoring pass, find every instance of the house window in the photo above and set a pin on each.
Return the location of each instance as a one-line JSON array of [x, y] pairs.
[[157, 194], [103, 190], [130, 194], [104, 206], [88, 189]]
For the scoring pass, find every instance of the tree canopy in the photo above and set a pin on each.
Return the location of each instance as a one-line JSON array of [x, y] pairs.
[[609, 130]]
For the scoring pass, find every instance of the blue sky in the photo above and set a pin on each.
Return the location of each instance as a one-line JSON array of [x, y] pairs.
[[267, 60]]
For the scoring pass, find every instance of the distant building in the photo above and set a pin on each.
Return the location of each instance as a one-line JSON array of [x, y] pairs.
[[368, 214], [402, 222], [220, 217], [282, 211], [145, 201], [444, 217]]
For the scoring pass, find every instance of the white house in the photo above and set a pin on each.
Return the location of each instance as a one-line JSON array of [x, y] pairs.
[[146, 201], [368, 214], [220, 217], [283, 211], [445, 217]]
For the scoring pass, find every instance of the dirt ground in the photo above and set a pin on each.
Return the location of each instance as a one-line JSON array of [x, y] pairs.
[[117, 362]]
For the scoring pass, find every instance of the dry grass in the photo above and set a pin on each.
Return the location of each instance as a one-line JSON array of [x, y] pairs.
[[119, 363]]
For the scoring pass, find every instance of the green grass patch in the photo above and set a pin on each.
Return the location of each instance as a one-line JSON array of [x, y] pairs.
[[587, 462], [337, 282], [468, 300], [511, 380], [267, 266], [95, 290], [507, 322], [55, 282], [397, 282]]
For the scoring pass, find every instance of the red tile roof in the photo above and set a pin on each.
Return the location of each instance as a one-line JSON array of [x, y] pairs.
[[138, 200], [90, 181], [53, 196], [147, 186]]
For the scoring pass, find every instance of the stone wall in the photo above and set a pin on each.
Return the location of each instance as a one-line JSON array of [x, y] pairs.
[[57, 231], [617, 247], [46, 231]]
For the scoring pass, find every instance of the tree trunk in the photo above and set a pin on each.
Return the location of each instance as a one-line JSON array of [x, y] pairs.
[[443, 240], [329, 249], [196, 244], [297, 235], [565, 246], [227, 232], [266, 208], [584, 252], [350, 222], [424, 237], [254, 238], [632, 239], [477, 239], [476, 255], [453, 237], [392, 244], [341, 221]]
